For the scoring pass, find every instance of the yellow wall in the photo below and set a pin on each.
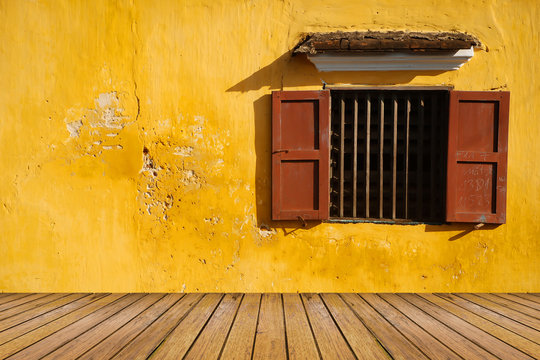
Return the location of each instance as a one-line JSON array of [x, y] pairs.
[[88, 85]]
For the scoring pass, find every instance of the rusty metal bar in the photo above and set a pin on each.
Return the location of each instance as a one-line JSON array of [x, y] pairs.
[[420, 162], [342, 157], [368, 140], [355, 153], [381, 150], [394, 159], [407, 126]]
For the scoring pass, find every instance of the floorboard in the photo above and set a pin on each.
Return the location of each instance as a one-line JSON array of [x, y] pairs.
[[481, 338], [241, 337], [452, 339], [6, 298], [429, 345], [14, 304], [530, 297], [30, 314], [330, 341], [36, 322], [520, 300], [397, 345], [23, 342], [269, 326], [178, 342], [495, 317], [270, 337], [212, 338], [84, 342], [142, 346], [534, 313], [111, 345], [503, 310], [50, 343], [300, 341], [511, 338]]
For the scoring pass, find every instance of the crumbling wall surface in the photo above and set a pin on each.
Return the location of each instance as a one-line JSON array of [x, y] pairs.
[[135, 148]]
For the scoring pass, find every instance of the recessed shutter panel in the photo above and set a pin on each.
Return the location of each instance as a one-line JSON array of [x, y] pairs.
[[300, 155], [477, 157]]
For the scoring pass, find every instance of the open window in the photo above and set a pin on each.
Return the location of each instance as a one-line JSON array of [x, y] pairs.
[[393, 155]]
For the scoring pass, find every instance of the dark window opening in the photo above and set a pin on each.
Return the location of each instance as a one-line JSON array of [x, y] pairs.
[[388, 153]]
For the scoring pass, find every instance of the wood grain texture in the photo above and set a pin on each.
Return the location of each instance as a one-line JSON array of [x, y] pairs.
[[269, 326], [328, 336], [35, 323], [520, 300], [534, 313], [495, 317], [107, 348], [503, 310], [362, 342], [498, 331], [30, 307], [178, 342], [19, 301], [452, 339], [418, 336], [59, 338], [26, 340], [36, 311], [530, 297], [6, 298], [270, 340], [241, 338], [212, 338], [82, 343], [481, 338], [142, 346], [398, 346], [300, 341]]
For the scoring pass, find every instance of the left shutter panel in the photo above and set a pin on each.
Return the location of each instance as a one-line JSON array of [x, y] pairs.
[[300, 155]]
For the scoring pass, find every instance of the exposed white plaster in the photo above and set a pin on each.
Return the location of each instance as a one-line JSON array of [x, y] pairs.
[[183, 150], [74, 127], [107, 99]]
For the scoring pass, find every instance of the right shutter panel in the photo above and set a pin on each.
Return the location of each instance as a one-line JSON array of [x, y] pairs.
[[477, 157], [300, 155]]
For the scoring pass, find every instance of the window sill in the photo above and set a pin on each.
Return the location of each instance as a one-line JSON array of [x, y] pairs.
[[381, 221]]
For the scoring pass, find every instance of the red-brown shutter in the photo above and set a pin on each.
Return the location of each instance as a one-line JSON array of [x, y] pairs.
[[477, 157], [300, 155]]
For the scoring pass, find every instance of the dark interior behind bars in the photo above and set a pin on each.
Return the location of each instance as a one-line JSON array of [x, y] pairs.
[[402, 177]]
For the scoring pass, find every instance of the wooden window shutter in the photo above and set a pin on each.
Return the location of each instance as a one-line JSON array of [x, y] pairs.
[[300, 155], [477, 157]]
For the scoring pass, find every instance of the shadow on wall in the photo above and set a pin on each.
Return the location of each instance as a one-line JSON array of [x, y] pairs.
[[289, 71], [464, 228]]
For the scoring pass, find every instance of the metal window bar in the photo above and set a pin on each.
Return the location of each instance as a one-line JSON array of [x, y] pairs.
[[386, 162]]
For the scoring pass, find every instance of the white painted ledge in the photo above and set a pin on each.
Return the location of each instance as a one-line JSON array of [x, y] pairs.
[[392, 61]]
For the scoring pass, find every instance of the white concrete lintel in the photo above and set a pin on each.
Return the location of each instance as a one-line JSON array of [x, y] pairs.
[[392, 61]]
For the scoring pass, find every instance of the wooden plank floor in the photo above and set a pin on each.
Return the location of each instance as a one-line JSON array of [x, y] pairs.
[[269, 326]]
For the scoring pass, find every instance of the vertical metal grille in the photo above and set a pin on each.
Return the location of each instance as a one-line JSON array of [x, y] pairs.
[[388, 154]]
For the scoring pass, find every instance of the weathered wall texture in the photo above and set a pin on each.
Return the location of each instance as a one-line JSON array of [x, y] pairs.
[[135, 149]]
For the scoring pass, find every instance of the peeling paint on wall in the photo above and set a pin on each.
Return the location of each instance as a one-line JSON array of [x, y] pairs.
[[74, 127]]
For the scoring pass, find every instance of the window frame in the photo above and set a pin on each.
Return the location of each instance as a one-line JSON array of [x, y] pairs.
[[502, 99]]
